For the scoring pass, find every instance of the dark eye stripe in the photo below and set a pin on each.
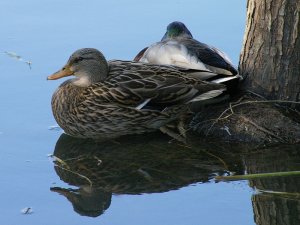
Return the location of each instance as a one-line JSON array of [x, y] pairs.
[[78, 59]]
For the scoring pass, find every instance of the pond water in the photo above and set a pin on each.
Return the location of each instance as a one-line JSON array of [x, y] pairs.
[[132, 180]]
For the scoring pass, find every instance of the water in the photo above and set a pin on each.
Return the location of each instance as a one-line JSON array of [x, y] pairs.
[[135, 183]]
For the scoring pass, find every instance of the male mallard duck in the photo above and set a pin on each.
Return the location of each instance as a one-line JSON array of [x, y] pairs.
[[178, 47], [110, 99]]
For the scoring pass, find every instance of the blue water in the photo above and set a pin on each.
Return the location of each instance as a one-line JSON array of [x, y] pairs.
[[46, 33]]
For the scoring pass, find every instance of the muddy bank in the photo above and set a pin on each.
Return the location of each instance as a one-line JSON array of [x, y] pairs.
[[249, 119]]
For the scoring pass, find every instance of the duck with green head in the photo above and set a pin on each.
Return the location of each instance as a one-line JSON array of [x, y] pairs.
[[178, 47], [115, 98]]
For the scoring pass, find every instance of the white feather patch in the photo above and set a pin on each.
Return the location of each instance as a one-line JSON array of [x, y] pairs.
[[82, 80], [224, 79], [208, 95], [171, 53], [140, 106]]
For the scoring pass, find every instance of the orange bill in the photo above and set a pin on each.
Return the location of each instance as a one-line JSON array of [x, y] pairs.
[[64, 72]]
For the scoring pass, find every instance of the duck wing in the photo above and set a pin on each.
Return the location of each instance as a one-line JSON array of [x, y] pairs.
[[138, 84], [211, 56], [140, 54]]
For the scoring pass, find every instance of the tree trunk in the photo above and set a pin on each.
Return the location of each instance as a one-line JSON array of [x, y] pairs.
[[270, 64], [270, 58]]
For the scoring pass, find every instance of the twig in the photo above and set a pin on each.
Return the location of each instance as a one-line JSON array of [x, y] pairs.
[[59, 160], [231, 106], [280, 193], [255, 94], [261, 128], [263, 101], [257, 176], [66, 167], [78, 174], [220, 117], [244, 103], [209, 153]]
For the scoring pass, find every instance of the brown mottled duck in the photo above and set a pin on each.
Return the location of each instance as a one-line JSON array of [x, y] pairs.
[[107, 99]]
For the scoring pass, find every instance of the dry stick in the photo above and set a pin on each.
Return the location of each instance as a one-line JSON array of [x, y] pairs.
[[210, 119], [64, 162], [256, 176], [261, 128], [78, 174], [244, 103], [266, 101], [231, 106], [218, 158], [209, 153], [256, 94], [280, 193], [68, 169], [219, 118]]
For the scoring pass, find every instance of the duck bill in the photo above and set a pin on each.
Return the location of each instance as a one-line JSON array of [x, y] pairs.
[[64, 72]]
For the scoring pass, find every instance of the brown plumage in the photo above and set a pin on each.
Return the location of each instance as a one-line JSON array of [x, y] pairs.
[[110, 99]]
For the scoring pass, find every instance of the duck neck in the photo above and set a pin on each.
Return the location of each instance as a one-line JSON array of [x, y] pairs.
[[83, 80]]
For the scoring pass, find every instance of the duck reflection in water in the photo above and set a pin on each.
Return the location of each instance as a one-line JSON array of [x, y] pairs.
[[130, 165], [150, 164], [86, 200]]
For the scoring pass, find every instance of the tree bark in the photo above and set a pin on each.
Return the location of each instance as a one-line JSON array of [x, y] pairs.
[[270, 58], [270, 65]]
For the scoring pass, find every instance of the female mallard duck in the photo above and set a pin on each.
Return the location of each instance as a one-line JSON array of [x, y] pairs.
[[178, 47], [110, 99]]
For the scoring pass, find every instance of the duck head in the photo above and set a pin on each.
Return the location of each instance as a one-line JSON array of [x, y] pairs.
[[177, 29], [87, 64]]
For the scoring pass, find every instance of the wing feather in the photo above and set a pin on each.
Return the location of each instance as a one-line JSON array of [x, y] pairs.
[[131, 84]]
